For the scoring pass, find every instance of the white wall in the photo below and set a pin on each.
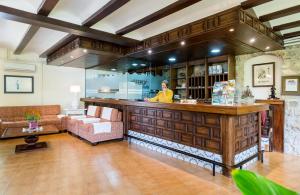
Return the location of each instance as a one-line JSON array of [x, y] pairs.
[[262, 92], [51, 83], [287, 62]]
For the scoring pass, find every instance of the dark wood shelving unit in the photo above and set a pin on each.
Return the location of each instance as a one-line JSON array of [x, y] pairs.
[[198, 82]]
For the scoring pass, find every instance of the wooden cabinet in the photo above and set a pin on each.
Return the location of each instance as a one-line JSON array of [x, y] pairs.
[[275, 121], [195, 79]]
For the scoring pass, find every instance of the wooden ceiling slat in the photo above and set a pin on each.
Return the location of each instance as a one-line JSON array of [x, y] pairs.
[[287, 26], [45, 8], [54, 24], [291, 35], [280, 13], [253, 3], [107, 9], [170, 9]]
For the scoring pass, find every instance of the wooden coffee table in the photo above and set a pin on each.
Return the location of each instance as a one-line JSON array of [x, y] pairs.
[[14, 132], [30, 138]]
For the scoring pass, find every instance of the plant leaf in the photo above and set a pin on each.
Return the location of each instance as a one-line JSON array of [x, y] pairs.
[[251, 183]]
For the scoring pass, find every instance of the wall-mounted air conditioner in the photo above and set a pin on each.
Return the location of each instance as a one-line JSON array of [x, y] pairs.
[[16, 67]]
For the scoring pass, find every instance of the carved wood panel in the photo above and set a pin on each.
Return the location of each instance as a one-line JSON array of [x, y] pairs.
[[194, 129], [246, 132]]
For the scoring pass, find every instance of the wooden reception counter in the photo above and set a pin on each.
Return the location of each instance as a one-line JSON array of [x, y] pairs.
[[230, 132]]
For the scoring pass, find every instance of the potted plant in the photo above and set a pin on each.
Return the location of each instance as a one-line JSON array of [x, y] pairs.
[[32, 117], [250, 183]]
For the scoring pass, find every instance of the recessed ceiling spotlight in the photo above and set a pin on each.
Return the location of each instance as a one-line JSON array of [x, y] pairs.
[[143, 65], [268, 47], [252, 40], [71, 57], [182, 43], [85, 50], [113, 69], [134, 64], [149, 51], [172, 59], [215, 51], [231, 30]]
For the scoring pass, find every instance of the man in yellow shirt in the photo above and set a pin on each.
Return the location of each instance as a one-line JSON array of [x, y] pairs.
[[164, 96]]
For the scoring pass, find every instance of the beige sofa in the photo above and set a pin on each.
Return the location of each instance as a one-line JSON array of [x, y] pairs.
[[13, 118]]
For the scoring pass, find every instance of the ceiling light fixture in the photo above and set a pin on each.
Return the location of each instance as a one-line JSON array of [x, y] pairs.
[[134, 64], [113, 69], [172, 59], [215, 51], [149, 51], [85, 50], [231, 30], [182, 43], [143, 65], [268, 47], [252, 40]]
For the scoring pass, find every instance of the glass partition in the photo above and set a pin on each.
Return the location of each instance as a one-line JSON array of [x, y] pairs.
[[140, 80]]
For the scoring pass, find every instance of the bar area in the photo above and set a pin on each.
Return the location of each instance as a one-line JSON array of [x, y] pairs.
[[223, 136], [180, 91], [150, 97]]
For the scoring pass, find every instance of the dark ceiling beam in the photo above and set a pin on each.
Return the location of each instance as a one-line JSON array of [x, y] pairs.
[[107, 9], [64, 41], [170, 9], [291, 35], [45, 8], [253, 3], [31, 31], [280, 13], [286, 26], [54, 24]]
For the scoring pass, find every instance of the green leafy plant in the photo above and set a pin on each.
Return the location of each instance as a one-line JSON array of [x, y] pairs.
[[251, 183], [32, 116]]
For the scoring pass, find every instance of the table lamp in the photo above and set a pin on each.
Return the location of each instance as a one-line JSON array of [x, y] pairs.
[[75, 102]]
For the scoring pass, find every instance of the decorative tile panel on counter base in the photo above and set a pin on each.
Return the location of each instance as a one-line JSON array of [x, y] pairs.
[[191, 150]]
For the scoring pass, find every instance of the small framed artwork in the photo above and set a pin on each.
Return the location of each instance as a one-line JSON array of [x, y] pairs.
[[18, 84], [263, 75], [290, 85]]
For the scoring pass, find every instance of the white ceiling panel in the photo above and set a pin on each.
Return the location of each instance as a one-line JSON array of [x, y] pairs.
[[290, 30], [11, 33], [286, 19], [44, 39], [185, 16], [76, 11], [129, 13], [25, 5], [274, 6], [277, 5]]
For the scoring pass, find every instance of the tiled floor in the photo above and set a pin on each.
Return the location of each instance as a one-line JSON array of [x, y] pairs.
[[71, 166]]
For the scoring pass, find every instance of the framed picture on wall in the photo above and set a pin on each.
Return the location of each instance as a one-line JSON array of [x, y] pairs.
[[263, 75], [290, 85], [18, 84]]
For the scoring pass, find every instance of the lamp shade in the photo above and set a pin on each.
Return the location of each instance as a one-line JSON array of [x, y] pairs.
[[75, 88]]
